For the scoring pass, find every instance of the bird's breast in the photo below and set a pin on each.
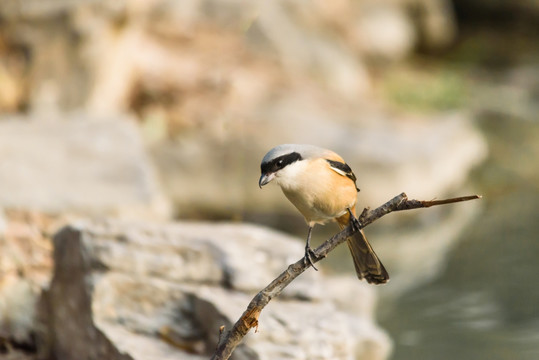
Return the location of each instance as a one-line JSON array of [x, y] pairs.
[[319, 193]]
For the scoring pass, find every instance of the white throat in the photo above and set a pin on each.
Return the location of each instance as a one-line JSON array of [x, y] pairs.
[[289, 177]]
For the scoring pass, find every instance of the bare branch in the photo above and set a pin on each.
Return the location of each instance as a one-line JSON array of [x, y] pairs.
[[249, 319]]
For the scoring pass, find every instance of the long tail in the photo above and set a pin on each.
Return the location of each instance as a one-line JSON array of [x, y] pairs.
[[368, 265]]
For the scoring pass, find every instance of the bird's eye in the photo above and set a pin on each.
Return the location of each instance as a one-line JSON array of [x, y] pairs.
[[280, 162]]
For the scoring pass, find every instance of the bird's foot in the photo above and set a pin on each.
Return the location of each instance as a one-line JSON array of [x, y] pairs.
[[356, 225], [309, 253]]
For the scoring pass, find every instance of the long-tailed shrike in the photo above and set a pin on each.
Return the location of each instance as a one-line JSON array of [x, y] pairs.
[[322, 187]]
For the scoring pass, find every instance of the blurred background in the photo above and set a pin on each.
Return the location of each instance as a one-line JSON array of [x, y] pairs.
[[162, 110]]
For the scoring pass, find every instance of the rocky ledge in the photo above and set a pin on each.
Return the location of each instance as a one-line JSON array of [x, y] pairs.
[[128, 290]]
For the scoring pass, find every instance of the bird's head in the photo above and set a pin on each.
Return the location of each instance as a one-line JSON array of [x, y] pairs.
[[283, 159]]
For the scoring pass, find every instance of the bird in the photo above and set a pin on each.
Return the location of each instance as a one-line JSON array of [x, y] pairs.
[[322, 186]]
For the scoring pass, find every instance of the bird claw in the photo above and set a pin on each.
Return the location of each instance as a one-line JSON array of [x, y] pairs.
[[308, 257], [356, 225]]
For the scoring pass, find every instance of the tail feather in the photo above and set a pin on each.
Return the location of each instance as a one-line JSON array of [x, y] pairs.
[[368, 265]]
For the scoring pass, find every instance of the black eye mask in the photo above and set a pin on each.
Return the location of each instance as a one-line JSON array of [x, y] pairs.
[[279, 163]]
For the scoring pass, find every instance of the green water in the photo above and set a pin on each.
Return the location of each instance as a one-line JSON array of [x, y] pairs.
[[485, 304]]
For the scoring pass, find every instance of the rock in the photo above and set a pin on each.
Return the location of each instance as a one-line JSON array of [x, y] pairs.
[[392, 30], [291, 330], [17, 309], [69, 329], [77, 164], [148, 291], [25, 268], [384, 31], [286, 31]]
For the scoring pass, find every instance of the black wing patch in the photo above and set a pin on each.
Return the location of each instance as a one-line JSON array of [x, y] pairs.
[[343, 169]]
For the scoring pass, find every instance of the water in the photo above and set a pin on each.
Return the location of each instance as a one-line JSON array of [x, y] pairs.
[[485, 304]]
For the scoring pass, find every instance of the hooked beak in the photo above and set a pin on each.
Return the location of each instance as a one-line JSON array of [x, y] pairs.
[[265, 178]]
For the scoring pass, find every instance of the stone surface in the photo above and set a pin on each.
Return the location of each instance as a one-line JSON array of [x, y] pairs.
[[25, 268], [132, 306], [77, 163], [17, 309]]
